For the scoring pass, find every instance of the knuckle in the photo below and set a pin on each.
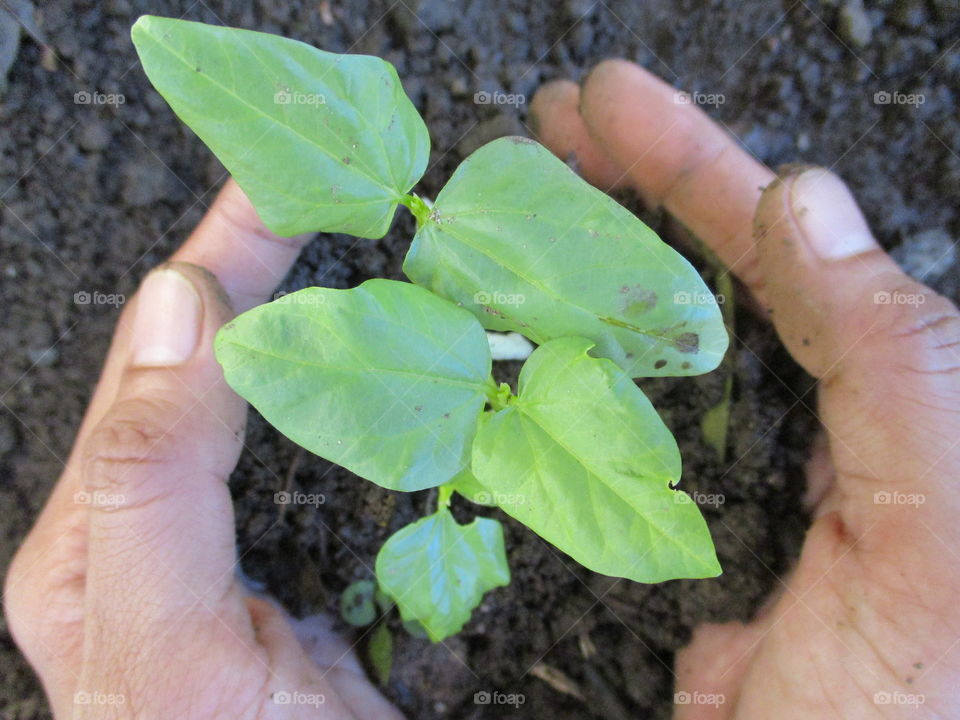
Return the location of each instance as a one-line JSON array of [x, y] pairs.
[[130, 446]]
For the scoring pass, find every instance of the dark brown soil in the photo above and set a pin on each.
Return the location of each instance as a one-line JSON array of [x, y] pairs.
[[93, 196]]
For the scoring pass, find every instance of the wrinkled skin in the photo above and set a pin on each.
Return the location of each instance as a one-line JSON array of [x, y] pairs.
[[140, 600]]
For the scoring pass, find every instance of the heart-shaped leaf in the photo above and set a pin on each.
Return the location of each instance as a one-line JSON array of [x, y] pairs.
[[318, 141], [437, 571], [385, 379], [526, 245], [583, 459]]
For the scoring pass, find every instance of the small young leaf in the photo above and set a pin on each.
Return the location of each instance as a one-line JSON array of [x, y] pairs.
[[437, 571], [318, 141], [415, 629], [526, 245], [583, 459], [380, 651], [383, 601], [715, 423], [356, 603], [385, 379]]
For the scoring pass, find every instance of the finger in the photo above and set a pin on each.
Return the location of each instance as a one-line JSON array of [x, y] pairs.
[[338, 663], [345, 690], [248, 260], [555, 120], [711, 668], [675, 156], [886, 348], [160, 525], [233, 243], [51, 563]]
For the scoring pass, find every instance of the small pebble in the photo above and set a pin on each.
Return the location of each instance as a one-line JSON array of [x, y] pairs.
[[855, 25], [94, 137]]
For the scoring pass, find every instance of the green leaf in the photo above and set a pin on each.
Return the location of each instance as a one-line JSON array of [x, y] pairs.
[[383, 601], [318, 141], [526, 245], [380, 650], [715, 423], [385, 379], [437, 571], [356, 603], [415, 629], [583, 459]]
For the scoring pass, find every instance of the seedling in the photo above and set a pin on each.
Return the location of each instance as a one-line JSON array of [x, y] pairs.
[[392, 380]]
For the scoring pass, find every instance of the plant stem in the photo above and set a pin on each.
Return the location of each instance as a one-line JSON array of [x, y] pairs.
[[498, 396], [418, 206], [444, 493]]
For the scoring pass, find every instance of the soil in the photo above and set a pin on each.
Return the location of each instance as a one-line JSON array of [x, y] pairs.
[[94, 195]]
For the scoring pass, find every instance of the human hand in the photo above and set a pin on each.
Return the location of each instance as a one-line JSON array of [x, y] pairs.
[[867, 624], [124, 596]]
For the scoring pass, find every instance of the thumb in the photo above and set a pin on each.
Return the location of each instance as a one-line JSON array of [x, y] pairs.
[[161, 535], [885, 348]]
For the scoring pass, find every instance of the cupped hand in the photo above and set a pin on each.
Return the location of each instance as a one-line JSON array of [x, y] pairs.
[[867, 625], [124, 597]]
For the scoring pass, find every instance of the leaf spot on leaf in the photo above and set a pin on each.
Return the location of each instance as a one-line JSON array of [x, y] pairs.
[[660, 364], [687, 342]]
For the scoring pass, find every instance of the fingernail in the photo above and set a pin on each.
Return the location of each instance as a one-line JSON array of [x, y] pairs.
[[829, 217], [166, 327]]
